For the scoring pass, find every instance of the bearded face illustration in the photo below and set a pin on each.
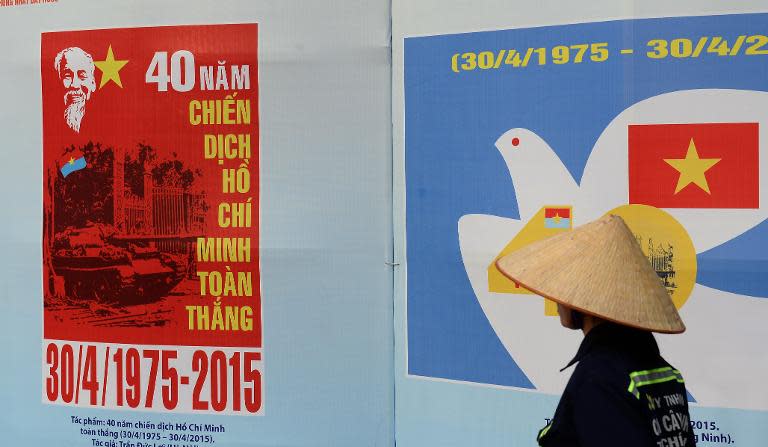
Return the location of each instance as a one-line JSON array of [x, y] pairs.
[[76, 72]]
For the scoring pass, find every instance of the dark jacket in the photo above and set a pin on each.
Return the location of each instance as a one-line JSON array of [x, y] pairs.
[[622, 393]]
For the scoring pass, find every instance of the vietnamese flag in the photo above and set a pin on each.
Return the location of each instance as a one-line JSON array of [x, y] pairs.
[[706, 165]]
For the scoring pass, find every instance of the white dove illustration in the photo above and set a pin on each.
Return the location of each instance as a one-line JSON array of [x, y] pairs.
[[721, 354]]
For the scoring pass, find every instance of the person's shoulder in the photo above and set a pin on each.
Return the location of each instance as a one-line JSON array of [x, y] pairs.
[[597, 383], [603, 361], [610, 371]]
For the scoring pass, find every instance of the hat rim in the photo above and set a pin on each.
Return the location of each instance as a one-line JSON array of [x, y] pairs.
[[585, 311]]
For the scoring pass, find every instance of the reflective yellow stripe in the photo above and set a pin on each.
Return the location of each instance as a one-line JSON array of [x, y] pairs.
[[650, 371], [652, 376], [544, 431]]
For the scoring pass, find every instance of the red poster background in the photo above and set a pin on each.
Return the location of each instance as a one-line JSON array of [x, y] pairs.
[[123, 119]]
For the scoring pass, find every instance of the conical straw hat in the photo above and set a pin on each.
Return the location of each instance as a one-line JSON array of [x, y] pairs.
[[598, 269]]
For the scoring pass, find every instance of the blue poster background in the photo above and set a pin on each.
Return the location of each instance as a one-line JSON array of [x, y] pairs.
[[452, 167]]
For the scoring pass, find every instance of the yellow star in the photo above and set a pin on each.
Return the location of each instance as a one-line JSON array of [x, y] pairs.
[[110, 69], [557, 218], [692, 169]]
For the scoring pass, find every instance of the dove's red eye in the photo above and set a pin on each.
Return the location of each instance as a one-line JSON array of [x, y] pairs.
[[515, 141]]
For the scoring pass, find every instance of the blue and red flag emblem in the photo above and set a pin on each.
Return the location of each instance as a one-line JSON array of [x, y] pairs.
[[557, 218], [73, 161]]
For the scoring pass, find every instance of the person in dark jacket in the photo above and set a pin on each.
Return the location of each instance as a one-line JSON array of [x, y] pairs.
[[622, 392]]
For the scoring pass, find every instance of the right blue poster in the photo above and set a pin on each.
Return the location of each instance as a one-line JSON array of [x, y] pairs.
[[515, 135]]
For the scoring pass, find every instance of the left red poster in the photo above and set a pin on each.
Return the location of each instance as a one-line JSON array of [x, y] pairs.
[[151, 219]]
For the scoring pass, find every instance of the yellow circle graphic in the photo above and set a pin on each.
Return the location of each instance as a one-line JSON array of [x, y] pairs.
[[666, 244]]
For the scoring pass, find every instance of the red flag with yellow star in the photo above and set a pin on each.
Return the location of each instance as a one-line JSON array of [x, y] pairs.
[[703, 165]]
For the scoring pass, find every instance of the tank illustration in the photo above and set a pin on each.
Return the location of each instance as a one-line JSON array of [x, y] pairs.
[[97, 264]]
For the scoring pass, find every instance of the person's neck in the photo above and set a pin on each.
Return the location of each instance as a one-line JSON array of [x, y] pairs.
[[590, 323]]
